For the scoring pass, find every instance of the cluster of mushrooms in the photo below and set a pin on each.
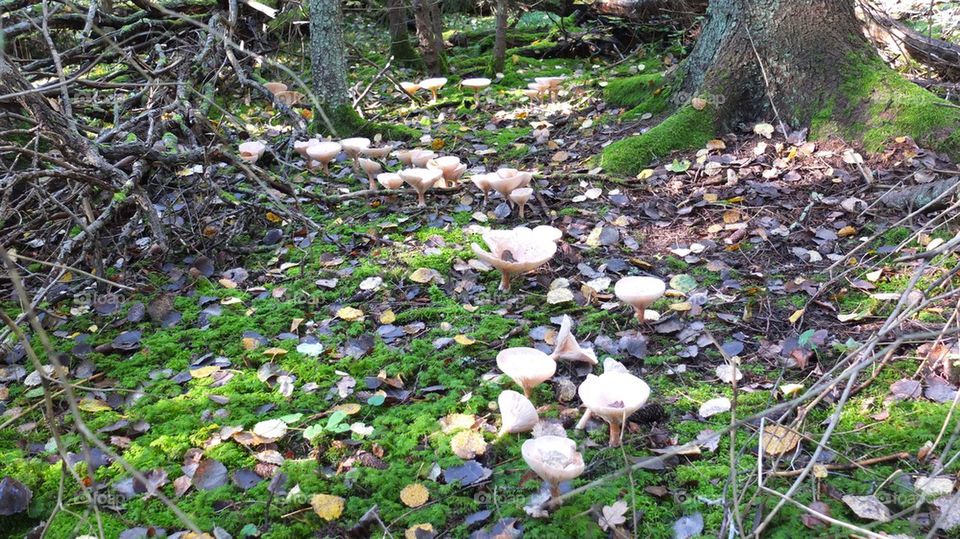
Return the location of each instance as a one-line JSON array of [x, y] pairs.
[[476, 85], [542, 87]]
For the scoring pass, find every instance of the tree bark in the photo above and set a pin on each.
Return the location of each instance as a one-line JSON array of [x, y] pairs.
[[790, 53], [328, 54], [430, 34], [401, 46], [500, 39]]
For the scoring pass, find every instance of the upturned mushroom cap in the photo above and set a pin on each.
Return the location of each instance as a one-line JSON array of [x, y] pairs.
[[421, 179], [554, 458], [639, 292], [419, 158], [406, 156], [515, 251], [410, 87], [324, 151], [252, 150], [353, 146], [549, 232], [521, 195], [528, 367], [549, 82], [275, 87], [532, 94], [371, 167], [478, 83], [450, 165], [505, 180], [433, 84], [614, 395], [377, 153], [390, 180], [288, 97], [517, 413], [566, 345], [301, 146], [482, 181]]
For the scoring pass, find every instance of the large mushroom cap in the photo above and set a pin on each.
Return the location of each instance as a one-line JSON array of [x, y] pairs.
[[370, 166], [521, 195], [517, 413], [390, 180], [421, 179], [301, 146], [478, 83], [450, 165], [377, 153], [639, 292], [505, 180], [554, 458], [482, 181], [419, 158], [251, 151], [433, 84], [406, 156], [410, 87], [566, 345], [515, 251], [613, 395], [324, 151], [275, 87], [528, 367], [549, 232], [353, 146]]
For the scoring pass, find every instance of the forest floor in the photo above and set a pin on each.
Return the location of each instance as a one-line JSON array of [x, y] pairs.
[[347, 360]]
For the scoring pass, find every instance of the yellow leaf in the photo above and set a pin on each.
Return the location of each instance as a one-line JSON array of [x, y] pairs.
[[388, 317], [437, 144], [819, 471], [230, 301], [731, 216], [469, 308], [425, 275], [790, 389], [350, 314], [874, 276], [273, 218], [710, 197], [414, 495], [274, 352], [326, 506], [681, 307], [645, 174], [93, 405], [796, 315], [467, 444], [716, 144], [227, 283], [411, 532], [67, 277], [846, 231], [455, 422], [778, 440], [464, 340], [204, 372], [249, 343], [348, 408]]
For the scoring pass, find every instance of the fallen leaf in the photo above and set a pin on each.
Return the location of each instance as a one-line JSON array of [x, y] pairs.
[[326, 506], [868, 507], [468, 444], [778, 439], [414, 495]]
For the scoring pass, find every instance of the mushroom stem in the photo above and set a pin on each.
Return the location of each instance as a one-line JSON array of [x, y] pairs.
[[615, 431], [326, 168], [641, 313], [522, 206], [421, 201], [505, 286], [433, 92], [373, 182], [554, 490]]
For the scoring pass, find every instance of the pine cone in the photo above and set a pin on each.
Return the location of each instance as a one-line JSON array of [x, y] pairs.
[[651, 413]]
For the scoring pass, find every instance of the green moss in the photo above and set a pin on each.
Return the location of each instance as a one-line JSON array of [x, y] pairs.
[[685, 129], [642, 93]]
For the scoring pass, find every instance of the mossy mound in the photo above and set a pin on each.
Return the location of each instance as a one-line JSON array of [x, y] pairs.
[[641, 90], [686, 129]]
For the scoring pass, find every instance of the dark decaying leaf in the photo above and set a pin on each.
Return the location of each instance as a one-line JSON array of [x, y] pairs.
[[467, 473], [127, 341], [245, 479], [688, 526], [210, 474], [14, 496]]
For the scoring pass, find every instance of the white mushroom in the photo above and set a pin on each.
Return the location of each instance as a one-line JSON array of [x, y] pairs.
[[421, 179], [390, 180], [551, 85], [410, 87], [566, 345], [528, 367], [433, 85], [451, 167], [482, 181], [324, 152], [554, 458], [301, 146], [419, 158], [275, 87], [505, 180], [614, 396], [517, 413], [477, 85], [406, 156], [549, 232], [377, 153], [252, 150], [515, 251], [520, 197], [640, 293], [353, 146], [371, 168]]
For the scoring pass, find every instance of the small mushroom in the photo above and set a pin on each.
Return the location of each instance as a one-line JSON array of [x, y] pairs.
[[554, 458], [353, 146], [371, 168], [551, 85], [520, 197], [640, 293], [477, 85], [390, 180], [324, 152], [419, 158], [406, 156], [517, 413], [377, 153], [301, 146], [528, 367], [251, 151], [505, 180], [275, 87], [482, 181], [566, 345], [614, 396], [451, 167], [421, 179], [410, 87], [433, 85], [515, 251]]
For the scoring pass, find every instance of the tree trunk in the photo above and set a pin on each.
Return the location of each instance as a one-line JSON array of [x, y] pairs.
[[401, 46], [790, 52], [500, 39], [430, 34], [328, 54]]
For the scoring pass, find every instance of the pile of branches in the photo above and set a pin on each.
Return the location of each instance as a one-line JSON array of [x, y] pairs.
[[107, 150]]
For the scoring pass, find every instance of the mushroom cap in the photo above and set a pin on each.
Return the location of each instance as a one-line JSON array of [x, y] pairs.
[[538, 87], [613, 395], [275, 87], [355, 145], [554, 458], [450, 165], [324, 151], [377, 153], [478, 83], [549, 232], [406, 156], [550, 82], [517, 413], [420, 179], [289, 97], [419, 158], [390, 180], [251, 150], [433, 84], [566, 345], [528, 367], [505, 180], [527, 250], [639, 292], [482, 181], [410, 87], [370, 166], [521, 195], [301, 146], [532, 94]]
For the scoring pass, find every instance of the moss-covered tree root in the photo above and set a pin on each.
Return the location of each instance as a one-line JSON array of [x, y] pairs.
[[686, 129]]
